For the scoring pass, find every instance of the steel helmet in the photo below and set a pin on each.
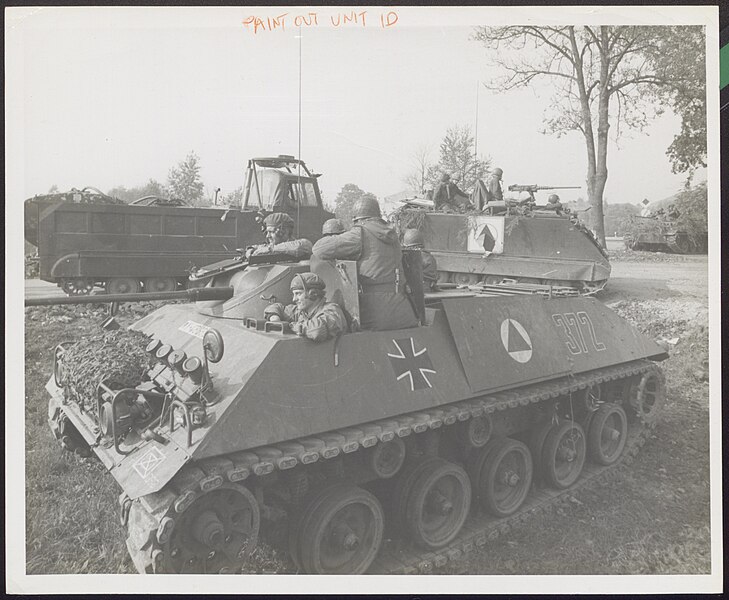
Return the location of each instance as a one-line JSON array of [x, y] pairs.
[[412, 237], [497, 171], [445, 177], [366, 207], [332, 226], [553, 198]]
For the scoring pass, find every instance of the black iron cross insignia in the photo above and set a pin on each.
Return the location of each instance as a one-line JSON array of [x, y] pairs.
[[411, 364]]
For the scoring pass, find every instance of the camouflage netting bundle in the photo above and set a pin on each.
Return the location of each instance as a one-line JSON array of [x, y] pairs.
[[118, 357]]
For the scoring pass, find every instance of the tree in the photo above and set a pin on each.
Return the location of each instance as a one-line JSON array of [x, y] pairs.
[[346, 199], [151, 188], [602, 75], [418, 176], [680, 60], [184, 181], [234, 198], [457, 159]]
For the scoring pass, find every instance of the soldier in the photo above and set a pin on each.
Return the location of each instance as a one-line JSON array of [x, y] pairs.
[[376, 248], [553, 203], [412, 238], [446, 194], [310, 316], [332, 227], [494, 193], [279, 235]]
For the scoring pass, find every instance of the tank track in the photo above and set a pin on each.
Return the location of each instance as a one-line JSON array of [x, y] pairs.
[[150, 519]]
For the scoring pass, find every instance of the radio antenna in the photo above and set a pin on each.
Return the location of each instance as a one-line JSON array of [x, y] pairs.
[[298, 204]]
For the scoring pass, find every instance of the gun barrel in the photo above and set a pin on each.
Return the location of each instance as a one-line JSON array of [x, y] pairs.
[[191, 295]]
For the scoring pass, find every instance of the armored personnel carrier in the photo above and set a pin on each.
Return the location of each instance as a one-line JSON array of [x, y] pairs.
[[445, 435], [663, 235], [510, 242]]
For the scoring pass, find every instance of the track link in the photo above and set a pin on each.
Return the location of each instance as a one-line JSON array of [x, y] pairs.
[[150, 518]]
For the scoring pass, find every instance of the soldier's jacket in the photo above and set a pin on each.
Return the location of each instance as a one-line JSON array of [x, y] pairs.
[[300, 249], [430, 270], [493, 189], [376, 248], [321, 322], [447, 194]]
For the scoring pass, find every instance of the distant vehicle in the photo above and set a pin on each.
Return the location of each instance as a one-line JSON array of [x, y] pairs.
[[525, 243], [86, 238], [663, 235]]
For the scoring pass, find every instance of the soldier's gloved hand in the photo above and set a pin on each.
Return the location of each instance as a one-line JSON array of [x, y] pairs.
[[274, 312], [249, 252], [297, 328]]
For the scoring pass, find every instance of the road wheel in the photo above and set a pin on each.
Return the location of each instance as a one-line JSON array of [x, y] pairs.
[[438, 504], [160, 284], [465, 278], [443, 277], [563, 455], [122, 285], [77, 286], [341, 531], [215, 534], [505, 477], [648, 396], [607, 434]]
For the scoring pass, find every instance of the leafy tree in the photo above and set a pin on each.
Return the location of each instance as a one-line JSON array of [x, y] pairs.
[[680, 61], [346, 199], [617, 215], [457, 159], [151, 188], [604, 75], [234, 198], [184, 181]]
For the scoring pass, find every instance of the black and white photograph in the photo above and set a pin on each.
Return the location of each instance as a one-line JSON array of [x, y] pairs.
[[365, 291]]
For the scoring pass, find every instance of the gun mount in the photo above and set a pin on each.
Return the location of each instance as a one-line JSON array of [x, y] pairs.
[[538, 188]]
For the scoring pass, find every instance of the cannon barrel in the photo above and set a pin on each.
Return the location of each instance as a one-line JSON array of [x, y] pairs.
[[191, 295], [536, 188]]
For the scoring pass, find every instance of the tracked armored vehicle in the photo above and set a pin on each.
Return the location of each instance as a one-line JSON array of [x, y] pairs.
[[87, 239], [516, 243], [663, 235], [444, 435]]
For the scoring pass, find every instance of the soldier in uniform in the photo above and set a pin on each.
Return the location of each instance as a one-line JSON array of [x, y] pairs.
[[494, 193], [332, 227], [413, 238], [310, 316], [279, 235], [375, 246], [553, 203], [446, 194]]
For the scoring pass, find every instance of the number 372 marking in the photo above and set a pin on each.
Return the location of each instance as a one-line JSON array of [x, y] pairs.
[[574, 325]]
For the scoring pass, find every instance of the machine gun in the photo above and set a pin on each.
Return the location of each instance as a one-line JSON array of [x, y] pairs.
[[536, 188]]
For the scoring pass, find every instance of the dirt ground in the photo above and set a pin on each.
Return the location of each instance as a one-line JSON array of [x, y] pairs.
[[654, 518]]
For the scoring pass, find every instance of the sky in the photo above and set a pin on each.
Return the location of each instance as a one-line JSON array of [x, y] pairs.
[[117, 96]]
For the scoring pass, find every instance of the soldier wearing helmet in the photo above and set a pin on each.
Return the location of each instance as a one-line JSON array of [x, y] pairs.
[[279, 237], [376, 248], [310, 315], [446, 195], [553, 203], [413, 238], [332, 227], [494, 193]]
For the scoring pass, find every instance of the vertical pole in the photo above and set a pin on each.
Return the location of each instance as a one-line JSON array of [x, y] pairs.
[[475, 148], [298, 203]]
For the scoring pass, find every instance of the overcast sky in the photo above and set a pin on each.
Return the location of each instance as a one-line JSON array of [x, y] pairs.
[[116, 96]]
